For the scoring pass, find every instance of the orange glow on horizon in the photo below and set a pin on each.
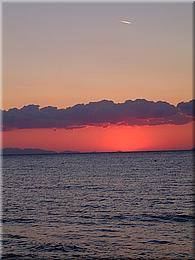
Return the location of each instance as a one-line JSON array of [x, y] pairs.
[[112, 138]]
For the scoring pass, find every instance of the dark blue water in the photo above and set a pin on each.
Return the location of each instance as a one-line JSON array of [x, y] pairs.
[[93, 206]]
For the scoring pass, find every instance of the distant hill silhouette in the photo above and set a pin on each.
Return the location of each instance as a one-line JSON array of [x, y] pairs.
[[13, 151], [16, 151]]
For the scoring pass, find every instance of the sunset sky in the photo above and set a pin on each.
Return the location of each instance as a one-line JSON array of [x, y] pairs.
[[65, 54]]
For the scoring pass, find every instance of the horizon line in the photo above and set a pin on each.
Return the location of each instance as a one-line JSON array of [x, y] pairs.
[[50, 152]]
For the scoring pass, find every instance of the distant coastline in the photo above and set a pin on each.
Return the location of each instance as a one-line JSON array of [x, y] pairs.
[[31, 151], [34, 151]]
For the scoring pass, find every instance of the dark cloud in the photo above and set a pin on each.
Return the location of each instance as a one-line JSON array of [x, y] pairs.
[[101, 113], [187, 108]]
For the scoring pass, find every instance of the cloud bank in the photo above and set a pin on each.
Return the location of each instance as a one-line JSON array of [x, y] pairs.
[[101, 113]]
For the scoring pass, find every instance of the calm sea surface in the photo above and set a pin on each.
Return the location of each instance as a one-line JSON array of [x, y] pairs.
[[93, 206]]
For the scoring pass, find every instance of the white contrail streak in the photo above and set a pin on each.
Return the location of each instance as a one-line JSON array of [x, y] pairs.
[[125, 22]]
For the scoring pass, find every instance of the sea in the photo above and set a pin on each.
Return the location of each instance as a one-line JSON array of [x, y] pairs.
[[136, 205]]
